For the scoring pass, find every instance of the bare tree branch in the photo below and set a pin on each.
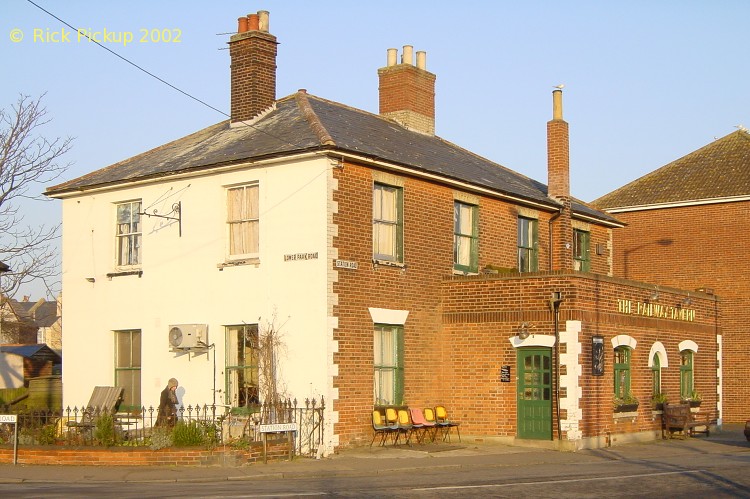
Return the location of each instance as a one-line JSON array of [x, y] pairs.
[[28, 161]]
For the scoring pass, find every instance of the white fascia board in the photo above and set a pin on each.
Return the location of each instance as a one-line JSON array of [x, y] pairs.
[[678, 204]]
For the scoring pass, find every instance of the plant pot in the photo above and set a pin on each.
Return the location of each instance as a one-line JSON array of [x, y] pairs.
[[694, 403], [658, 406], [626, 408]]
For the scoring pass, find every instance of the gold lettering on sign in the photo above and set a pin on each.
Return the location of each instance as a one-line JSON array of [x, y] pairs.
[[656, 310]]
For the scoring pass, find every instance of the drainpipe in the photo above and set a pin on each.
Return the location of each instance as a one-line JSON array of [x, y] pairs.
[[551, 236], [554, 304]]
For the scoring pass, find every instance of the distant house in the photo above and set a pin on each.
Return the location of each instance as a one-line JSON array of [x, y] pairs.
[[47, 316], [688, 225], [397, 267], [16, 325], [27, 322]]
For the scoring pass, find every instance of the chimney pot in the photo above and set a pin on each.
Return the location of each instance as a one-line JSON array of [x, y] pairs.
[[408, 55], [263, 19], [557, 109], [302, 90], [392, 56], [241, 24], [253, 23], [422, 59]]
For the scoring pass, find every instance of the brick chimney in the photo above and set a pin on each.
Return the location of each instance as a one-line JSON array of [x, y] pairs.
[[407, 92], [253, 68], [558, 185], [558, 155]]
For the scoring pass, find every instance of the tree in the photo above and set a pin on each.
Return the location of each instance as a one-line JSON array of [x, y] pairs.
[[28, 160]]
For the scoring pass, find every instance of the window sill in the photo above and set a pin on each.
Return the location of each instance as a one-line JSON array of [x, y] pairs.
[[465, 272], [124, 273], [238, 263], [388, 263]]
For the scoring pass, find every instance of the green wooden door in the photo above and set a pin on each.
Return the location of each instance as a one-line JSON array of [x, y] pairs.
[[534, 393]]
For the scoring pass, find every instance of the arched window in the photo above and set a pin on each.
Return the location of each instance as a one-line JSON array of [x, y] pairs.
[[622, 371]]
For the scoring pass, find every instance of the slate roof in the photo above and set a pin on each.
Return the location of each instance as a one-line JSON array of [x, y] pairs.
[[40, 313], [717, 171], [303, 122]]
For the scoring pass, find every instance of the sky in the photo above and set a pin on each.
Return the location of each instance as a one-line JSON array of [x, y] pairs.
[[646, 82]]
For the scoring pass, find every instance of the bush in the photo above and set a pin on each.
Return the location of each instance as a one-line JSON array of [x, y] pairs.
[[161, 439], [188, 434], [104, 433]]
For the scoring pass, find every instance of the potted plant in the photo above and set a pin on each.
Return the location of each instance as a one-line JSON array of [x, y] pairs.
[[658, 401], [626, 403], [694, 399]]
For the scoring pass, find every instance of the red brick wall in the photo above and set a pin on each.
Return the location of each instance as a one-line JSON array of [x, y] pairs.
[[133, 456], [430, 371], [481, 314], [697, 247]]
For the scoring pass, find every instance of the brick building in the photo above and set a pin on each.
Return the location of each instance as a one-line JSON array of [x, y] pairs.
[[400, 268], [700, 204]]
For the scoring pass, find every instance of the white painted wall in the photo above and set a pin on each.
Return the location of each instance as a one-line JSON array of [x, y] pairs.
[[181, 282]]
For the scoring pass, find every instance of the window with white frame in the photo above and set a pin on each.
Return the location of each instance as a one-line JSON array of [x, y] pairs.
[[242, 359], [129, 234], [465, 237], [387, 223], [243, 221], [389, 364]]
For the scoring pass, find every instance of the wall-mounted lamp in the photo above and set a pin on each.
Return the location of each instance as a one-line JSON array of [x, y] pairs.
[[523, 330], [686, 302], [654, 297]]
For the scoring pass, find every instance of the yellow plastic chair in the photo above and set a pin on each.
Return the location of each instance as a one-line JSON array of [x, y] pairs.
[[441, 416]]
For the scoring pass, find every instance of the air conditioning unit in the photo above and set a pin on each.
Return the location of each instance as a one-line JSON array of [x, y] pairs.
[[188, 336]]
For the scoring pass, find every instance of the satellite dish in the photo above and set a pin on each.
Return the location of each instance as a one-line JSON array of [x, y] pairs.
[[175, 336]]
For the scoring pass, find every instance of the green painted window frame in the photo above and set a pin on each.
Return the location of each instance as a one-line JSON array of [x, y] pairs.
[[388, 381], [241, 360], [128, 356], [621, 364], [686, 374], [393, 225], [528, 244], [128, 233], [655, 375], [463, 235], [581, 250]]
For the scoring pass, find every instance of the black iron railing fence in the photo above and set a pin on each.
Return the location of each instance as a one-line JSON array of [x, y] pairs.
[[213, 424]]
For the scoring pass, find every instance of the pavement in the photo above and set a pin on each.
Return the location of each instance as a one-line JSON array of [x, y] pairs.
[[368, 461]]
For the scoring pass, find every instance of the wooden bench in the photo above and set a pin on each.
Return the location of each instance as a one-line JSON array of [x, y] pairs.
[[677, 418]]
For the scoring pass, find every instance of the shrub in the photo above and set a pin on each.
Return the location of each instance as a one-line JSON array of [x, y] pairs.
[[161, 439], [104, 433], [188, 434]]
